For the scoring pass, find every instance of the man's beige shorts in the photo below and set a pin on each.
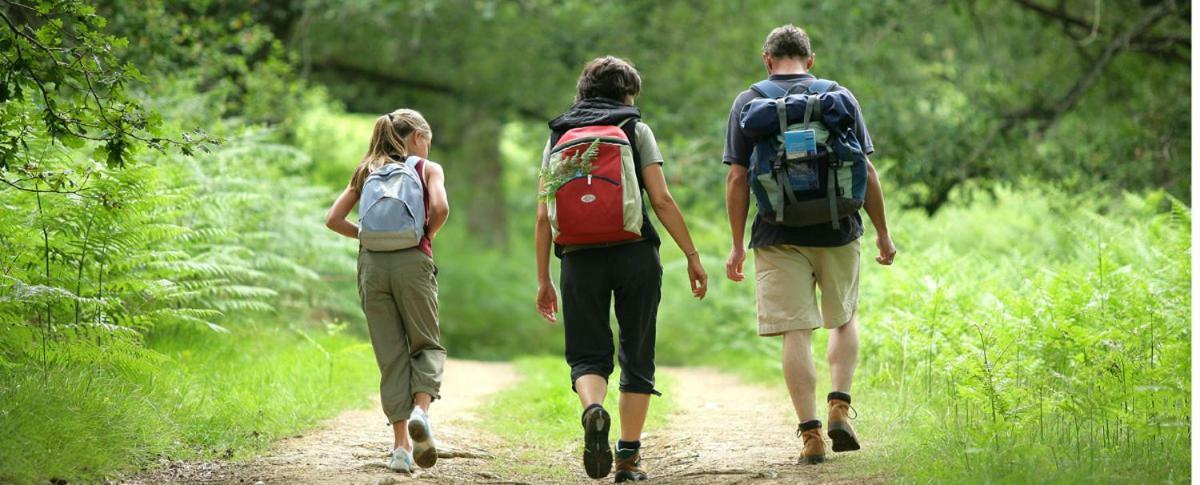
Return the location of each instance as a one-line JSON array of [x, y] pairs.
[[788, 277]]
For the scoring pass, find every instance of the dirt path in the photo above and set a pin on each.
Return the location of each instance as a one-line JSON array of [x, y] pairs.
[[723, 431], [353, 447]]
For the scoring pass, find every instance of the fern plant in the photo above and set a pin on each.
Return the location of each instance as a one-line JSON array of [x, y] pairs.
[[569, 167]]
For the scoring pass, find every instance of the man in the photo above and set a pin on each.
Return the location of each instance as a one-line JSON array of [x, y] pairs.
[[791, 261]]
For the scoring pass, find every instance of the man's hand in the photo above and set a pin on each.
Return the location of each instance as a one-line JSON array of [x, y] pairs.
[[547, 301], [887, 250], [697, 276], [733, 266]]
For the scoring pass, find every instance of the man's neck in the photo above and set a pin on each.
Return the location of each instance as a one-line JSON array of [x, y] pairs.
[[788, 67]]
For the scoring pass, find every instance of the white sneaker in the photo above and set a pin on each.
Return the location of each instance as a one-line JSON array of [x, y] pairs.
[[419, 429], [402, 461]]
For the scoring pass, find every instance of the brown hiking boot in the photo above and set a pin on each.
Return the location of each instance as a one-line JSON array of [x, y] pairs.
[[814, 444], [840, 431], [629, 466]]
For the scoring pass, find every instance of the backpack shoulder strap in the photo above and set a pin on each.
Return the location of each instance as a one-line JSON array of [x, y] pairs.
[[629, 126], [418, 166], [821, 86], [768, 89]]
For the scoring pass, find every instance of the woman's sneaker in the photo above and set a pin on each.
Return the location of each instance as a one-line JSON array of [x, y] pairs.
[[402, 461], [597, 455], [419, 429]]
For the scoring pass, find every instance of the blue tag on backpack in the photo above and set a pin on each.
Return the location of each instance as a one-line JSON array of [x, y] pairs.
[[800, 143]]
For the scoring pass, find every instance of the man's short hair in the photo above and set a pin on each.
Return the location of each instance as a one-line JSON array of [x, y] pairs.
[[608, 77], [788, 41]]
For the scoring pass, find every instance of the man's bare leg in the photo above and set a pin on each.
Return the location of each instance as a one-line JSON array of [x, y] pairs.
[[800, 373], [843, 355]]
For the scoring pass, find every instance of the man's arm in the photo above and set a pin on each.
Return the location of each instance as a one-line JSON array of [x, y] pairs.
[[737, 204], [878, 214]]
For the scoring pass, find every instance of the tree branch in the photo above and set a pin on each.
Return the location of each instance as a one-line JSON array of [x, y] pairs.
[[1047, 118], [1060, 14], [1157, 45], [15, 184], [1075, 94], [1114, 48], [338, 67]]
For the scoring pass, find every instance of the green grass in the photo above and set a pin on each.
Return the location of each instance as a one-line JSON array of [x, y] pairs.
[[93, 414], [1034, 336], [540, 415]]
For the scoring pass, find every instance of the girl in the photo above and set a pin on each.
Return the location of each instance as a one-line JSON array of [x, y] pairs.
[[399, 290], [627, 271]]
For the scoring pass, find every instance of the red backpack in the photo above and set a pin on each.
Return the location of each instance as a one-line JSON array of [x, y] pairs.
[[592, 188]]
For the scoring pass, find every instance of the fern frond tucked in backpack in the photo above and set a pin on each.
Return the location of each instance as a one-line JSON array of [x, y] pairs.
[[575, 165], [600, 201]]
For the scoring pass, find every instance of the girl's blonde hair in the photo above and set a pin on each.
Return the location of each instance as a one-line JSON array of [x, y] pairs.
[[388, 140]]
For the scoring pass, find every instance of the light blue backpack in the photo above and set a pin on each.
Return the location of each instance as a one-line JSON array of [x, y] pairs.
[[392, 207]]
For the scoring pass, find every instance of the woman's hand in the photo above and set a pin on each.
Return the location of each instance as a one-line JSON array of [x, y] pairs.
[[697, 276], [547, 301]]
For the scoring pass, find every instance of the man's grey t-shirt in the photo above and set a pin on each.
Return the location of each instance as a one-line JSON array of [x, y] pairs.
[[738, 149]]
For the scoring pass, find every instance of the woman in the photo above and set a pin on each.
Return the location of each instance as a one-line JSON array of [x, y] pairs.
[[620, 268]]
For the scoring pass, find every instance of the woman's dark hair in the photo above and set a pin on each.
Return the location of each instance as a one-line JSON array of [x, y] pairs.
[[608, 77]]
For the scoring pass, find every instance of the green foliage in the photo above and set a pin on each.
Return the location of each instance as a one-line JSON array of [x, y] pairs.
[[1024, 337], [64, 85], [575, 165], [116, 407], [1088, 92], [227, 58], [335, 143], [144, 299], [145, 296], [206, 241]]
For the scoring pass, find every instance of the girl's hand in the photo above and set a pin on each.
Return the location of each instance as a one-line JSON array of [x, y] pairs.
[[547, 301], [697, 276]]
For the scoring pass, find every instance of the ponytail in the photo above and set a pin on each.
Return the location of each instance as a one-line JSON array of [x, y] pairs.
[[388, 138]]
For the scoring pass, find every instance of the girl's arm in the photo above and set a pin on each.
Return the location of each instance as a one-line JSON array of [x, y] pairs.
[[336, 218], [672, 219], [439, 202]]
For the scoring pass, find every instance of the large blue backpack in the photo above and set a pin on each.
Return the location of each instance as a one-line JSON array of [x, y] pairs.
[[392, 207], [812, 188]]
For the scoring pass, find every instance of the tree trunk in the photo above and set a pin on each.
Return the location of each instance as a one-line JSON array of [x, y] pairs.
[[475, 179]]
